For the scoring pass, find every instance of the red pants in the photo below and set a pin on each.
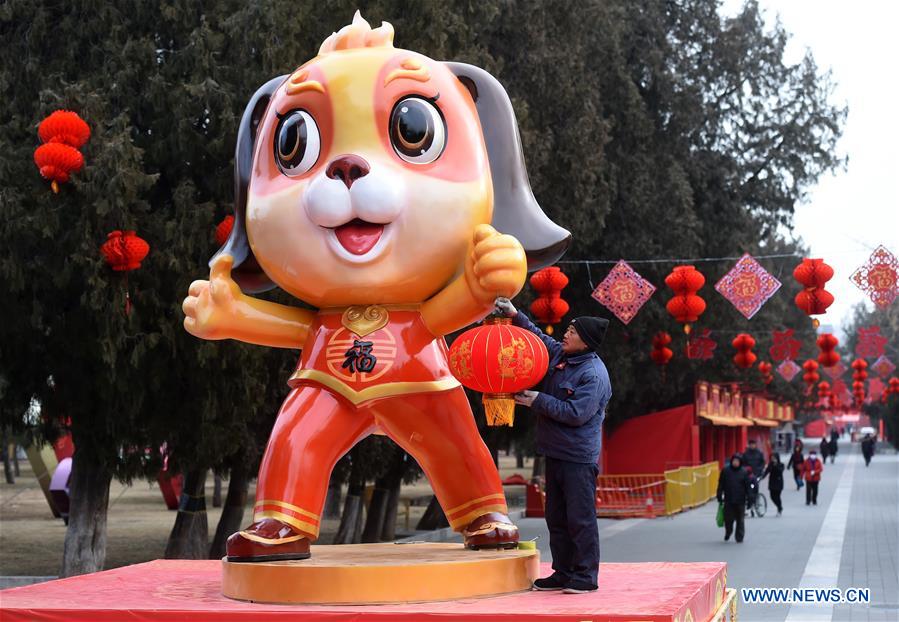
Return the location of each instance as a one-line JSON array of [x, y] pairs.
[[315, 428]]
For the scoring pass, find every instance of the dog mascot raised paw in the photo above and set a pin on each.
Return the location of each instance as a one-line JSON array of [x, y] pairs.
[[389, 191]]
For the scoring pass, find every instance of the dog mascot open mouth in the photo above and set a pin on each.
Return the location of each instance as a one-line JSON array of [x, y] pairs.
[[388, 193], [358, 236]]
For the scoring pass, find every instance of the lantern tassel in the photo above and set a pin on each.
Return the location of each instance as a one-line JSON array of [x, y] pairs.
[[55, 187], [499, 409], [549, 329]]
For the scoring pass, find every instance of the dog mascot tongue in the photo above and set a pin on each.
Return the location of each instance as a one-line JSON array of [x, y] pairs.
[[389, 191]]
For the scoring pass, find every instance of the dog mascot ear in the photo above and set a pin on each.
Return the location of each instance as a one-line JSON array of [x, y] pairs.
[[246, 271], [515, 210]]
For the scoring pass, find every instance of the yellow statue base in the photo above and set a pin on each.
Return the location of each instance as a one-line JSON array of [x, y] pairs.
[[382, 573]]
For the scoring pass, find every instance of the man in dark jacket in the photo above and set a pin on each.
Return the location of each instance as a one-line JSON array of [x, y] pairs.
[[570, 409], [868, 448], [753, 457], [733, 489]]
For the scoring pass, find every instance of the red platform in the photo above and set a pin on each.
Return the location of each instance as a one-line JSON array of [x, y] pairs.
[[191, 590]]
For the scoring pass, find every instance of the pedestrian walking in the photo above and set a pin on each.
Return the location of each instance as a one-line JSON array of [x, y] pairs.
[[868, 447], [795, 463], [753, 457], [775, 474], [811, 471], [733, 491], [834, 446], [824, 447], [570, 409]]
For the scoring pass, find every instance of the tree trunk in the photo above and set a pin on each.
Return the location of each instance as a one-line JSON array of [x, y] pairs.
[[4, 454], [15, 459], [332, 500], [377, 510], [85, 544], [381, 514], [189, 538], [232, 514], [350, 529], [217, 491], [539, 469], [388, 532], [433, 518]]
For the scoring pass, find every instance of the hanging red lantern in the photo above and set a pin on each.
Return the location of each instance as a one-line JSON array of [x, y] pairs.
[[810, 377], [685, 306], [745, 357], [765, 371], [860, 367], [813, 275], [498, 360], [223, 230], [661, 354], [892, 389], [62, 133], [549, 308], [823, 390], [827, 343], [124, 250]]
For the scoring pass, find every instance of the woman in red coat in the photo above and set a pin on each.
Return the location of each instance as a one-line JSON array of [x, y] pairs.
[[811, 472]]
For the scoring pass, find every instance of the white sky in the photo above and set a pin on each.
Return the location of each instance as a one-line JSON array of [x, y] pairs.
[[850, 213]]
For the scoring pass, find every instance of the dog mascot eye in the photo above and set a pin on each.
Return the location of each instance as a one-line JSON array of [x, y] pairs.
[[417, 130], [297, 143]]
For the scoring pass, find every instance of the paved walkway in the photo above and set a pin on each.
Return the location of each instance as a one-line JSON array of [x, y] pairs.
[[850, 539]]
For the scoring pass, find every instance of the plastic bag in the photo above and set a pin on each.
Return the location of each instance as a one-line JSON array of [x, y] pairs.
[[719, 518]]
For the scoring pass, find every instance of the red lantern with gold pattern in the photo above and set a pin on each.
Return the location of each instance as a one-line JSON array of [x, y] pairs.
[[498, 360], [813, 275], [745, 357], [827, 343], [549, 308], [685, 306]]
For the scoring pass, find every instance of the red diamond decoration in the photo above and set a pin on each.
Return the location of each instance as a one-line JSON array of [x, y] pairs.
[[879, 277], [701, 346], [835, 371], [883, 366], [788, 370], [875, 388], [623, 291], [785, 346], [747, 286], [870, 342]]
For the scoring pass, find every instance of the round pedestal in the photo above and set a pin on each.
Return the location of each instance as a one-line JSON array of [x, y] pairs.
[[382, 573]]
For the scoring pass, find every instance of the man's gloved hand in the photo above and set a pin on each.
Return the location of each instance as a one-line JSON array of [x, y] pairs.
[[525, 398], [505, 307]]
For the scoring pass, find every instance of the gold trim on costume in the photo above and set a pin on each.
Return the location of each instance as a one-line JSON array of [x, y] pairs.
[[464, 520], [273, 541], [410, 306], [307, 528], [290, 507], [497, 495], [410, 68], [388, 389]]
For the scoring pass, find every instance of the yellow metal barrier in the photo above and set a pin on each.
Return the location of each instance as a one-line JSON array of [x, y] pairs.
[[688, 487], [650, 495]]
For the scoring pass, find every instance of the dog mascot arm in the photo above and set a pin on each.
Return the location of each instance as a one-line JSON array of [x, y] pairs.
[[495, 266], [217, 309]]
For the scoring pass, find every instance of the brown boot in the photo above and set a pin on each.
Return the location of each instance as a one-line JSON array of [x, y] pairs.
[[267, 540], [491, 531]]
